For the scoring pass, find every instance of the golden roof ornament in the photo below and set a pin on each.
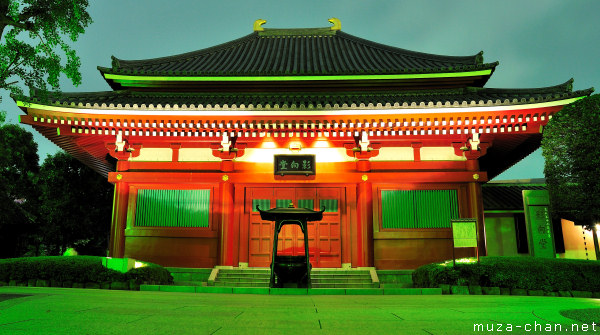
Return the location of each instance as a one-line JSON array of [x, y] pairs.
[[337, 24], [258, 23]]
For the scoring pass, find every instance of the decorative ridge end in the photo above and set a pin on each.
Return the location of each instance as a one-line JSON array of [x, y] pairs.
[[479, 58], [569, 85], [258, 25], [337, 24], [115, 62]]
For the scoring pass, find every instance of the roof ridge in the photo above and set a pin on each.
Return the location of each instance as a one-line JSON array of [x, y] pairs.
[[192, 54], [323, 31], [416, 54]]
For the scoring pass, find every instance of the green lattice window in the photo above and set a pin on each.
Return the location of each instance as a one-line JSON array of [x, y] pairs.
[[284, 203], [330, 205], [172, 208], [306, 203], [264, 204], [418, 209]]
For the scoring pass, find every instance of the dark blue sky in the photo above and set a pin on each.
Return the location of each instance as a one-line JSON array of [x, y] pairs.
[[538, 43]]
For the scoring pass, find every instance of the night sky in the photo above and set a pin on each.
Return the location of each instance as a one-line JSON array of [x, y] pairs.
[[538, 43]]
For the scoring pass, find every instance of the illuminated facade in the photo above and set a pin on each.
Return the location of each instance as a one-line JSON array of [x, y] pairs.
[[402, 142]]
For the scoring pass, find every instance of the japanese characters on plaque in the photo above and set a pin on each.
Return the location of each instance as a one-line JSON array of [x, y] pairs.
[[541, 230], [538, 223], [294, 165]]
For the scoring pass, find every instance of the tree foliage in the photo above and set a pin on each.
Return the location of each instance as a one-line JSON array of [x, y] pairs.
[[571, 148], [45, 210], [18, 191], [35, 38], [75, 206]]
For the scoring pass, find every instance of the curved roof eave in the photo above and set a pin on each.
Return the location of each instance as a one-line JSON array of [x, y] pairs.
[[335, 101]]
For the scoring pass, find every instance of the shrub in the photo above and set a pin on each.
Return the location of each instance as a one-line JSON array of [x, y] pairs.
[[150, 274], [513, 272], [77, 269]]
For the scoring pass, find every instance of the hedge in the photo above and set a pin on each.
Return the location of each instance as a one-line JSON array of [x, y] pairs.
[[87, 270], [513, 272]]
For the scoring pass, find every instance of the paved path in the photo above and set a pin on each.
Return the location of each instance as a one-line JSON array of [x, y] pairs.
[[86, 311]]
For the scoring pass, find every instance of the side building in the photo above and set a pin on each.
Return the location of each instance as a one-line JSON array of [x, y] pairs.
[[393, 143], [506, 224]]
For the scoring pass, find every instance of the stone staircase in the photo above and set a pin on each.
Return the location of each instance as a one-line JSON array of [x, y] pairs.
[[344, 278], [240, 277], [321, 278]]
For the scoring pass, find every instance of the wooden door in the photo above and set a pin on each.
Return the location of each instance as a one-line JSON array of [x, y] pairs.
[[260, 233], [324, 237], [328, 242]]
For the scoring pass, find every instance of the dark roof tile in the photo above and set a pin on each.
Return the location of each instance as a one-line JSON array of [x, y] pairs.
[[506, 197], [318, 51], [310, 98]]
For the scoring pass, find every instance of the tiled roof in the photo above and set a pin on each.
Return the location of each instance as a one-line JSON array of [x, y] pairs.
[[506, 196], [258, 100], [283, 52]]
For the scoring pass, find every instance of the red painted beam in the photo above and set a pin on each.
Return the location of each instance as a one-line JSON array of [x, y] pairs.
[[328, 178]]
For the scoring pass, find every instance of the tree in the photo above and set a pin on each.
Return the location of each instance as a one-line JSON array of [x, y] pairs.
[[75, 207], [18, 193], [571, 148], [36, 36]]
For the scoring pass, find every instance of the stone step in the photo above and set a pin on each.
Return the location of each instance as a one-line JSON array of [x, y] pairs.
[[361, 277], [243, 279], [244, 272], [242, 284], [342, 285], [318, 273], [254, 277], [341, 280], [338, 272], [243, 275], [328, 278]]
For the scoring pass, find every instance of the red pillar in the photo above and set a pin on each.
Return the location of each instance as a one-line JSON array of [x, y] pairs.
[[364, 225], [476, 205], [116, 246], [228, 233]]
